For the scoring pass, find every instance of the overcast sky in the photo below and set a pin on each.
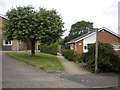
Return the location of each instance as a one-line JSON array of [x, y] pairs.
[[103, 13]]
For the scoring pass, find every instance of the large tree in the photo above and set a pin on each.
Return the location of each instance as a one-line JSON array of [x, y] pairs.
[[78, 29], [81, 27], [26, 24]]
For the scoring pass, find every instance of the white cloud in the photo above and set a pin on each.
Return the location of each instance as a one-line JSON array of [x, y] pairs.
[[100, 12]]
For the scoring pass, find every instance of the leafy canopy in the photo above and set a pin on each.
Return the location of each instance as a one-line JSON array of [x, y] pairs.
[[26, 24], [81, 27]]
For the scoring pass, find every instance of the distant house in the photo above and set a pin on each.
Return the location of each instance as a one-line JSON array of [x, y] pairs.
[[13, 45], [80, 44]]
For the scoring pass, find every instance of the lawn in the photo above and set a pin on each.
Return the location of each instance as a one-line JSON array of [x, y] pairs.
[[41, 60]]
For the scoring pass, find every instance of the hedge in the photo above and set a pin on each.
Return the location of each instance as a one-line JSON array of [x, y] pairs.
[[71, 55], [50, 49]]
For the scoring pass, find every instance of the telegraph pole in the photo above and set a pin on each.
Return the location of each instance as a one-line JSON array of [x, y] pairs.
[[96, 52]]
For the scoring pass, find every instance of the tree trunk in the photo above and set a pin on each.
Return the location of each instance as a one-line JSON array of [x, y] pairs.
[[32, 48]]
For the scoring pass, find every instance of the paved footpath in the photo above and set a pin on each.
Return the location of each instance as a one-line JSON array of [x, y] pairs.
[[16, 74], [77, 74], [70, 67]]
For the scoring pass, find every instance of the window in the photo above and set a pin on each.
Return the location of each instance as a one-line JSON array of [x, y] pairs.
[[89, 45], [85, 47], [7, 42], [116, 46]]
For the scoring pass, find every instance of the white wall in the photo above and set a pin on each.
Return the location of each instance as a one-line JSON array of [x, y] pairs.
[[71, 46], [89, 40]]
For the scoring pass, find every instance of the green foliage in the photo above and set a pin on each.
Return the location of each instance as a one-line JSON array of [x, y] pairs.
[[51, 24], [51, 49], [81, 27], [26, 24], [108, 60], [60, 41], [76, 56], [71, 55], [68, 54], [78, 29]]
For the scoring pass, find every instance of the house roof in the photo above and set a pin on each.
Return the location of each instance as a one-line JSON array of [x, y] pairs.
[[89, 34], [3, 16]]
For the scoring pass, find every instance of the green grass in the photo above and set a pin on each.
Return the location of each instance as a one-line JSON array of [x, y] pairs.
[[41, 60]]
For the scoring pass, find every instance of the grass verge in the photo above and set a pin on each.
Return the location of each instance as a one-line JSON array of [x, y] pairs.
[[41, 60]]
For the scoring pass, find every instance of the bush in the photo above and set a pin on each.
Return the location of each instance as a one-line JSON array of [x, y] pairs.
[[68, 54], [71, 55], [50, 49], [108, 60], [76, 56], [63, 52]]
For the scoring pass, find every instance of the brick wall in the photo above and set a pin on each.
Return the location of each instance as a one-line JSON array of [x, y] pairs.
[[14, 45], [22, 46], [36, 45], [0, 25], [29, 46], [107, 37], [78, 47], [118, 52]]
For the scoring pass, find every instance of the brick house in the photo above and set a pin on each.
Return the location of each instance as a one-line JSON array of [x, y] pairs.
[[80, 44], [13, 45]]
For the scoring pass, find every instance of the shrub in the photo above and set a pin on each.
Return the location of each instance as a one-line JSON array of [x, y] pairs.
[[68, 54], [71, 55], [108, 60], [50, 49], [76, 56], [64, 52]]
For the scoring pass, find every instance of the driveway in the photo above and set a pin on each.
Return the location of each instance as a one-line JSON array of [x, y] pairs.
[[16, 74]]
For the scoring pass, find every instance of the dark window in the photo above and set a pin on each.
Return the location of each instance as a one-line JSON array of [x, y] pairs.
[[89, 45], [7, 42], [85, 47]]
